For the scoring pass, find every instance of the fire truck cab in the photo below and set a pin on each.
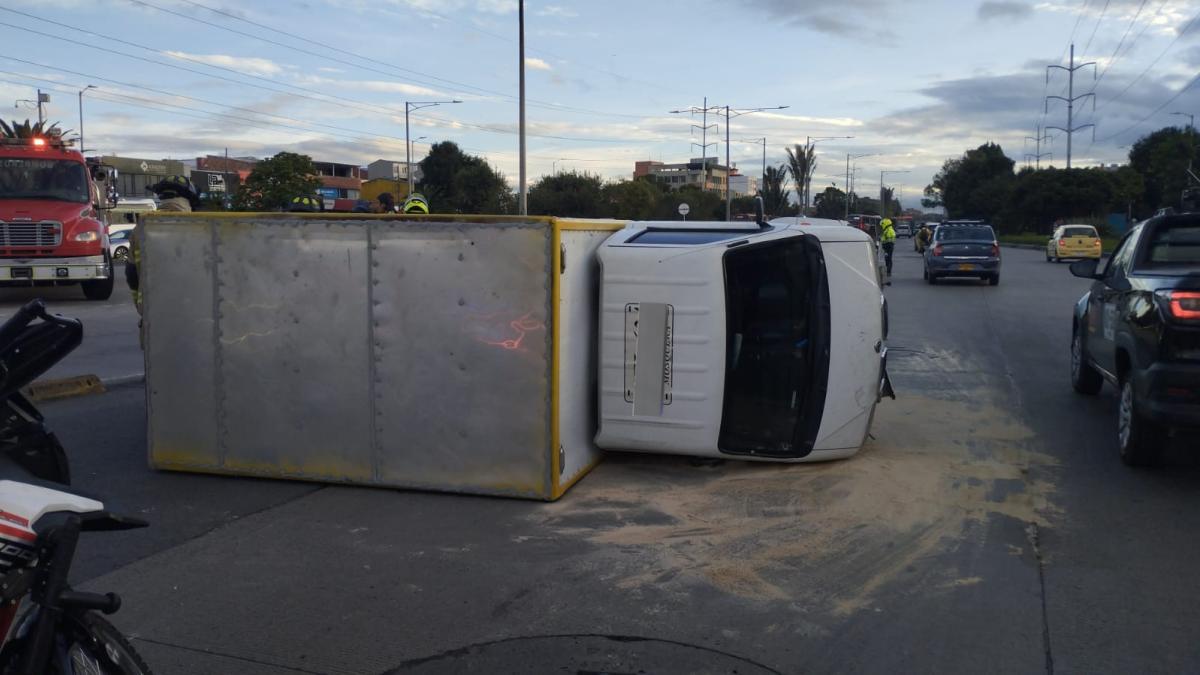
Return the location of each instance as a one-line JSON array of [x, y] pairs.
[[51, 228]]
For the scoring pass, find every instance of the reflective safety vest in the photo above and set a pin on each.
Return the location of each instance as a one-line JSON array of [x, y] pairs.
[[889, 234]]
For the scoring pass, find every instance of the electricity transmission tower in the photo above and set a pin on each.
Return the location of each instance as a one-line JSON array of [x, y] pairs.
[[1070, 98]]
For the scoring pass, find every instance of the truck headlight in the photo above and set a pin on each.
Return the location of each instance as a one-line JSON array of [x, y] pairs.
[[91, 235]]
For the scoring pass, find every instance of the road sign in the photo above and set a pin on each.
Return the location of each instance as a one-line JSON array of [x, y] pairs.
[[684, 209]]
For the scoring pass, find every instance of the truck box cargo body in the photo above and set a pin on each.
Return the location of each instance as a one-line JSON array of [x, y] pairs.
[[374, 350]]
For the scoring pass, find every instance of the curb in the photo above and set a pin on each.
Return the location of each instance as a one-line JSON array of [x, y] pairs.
[[79, 385]]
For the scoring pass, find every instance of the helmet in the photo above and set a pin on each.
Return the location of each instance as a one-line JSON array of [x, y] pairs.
[[416, 204], [306, 204], [885, 222], [176, 186]]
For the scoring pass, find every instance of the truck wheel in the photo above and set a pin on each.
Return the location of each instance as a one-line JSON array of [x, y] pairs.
[[99, 289], [1084, 378], [1139, 440]]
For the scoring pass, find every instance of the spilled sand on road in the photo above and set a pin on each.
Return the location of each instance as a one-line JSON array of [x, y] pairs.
[[829, 534]]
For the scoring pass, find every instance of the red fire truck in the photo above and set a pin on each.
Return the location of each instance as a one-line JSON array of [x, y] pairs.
[[51, 227]]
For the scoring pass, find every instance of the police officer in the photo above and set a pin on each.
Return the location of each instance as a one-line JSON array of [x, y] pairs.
[[887, 237], [306, 204], [175, 193], [416, 203]]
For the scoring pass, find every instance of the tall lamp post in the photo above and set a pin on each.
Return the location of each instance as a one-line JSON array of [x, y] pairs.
[[1192, 138], [410, 106], [90, 86], [848, 158], [763, 142], [882, 206], [810, 141]]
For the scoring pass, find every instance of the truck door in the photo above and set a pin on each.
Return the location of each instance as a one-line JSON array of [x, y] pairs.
[[777, 347], [1104, 304]]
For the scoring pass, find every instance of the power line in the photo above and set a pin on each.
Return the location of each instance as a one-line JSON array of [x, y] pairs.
[[1154, 112], [1152, 63], [348, 103], [493, 92], [1095, 28], [1113, 58]]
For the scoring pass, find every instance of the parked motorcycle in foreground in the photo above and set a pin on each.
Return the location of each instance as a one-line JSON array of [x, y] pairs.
[[41, 518]]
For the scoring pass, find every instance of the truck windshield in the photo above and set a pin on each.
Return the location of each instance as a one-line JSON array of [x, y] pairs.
[[30, 178]]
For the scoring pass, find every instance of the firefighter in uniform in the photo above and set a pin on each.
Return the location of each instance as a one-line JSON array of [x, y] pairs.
[[887, 238], [175, 193]]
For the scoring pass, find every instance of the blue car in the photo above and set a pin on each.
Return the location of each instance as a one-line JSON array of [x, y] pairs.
[[965, 248]]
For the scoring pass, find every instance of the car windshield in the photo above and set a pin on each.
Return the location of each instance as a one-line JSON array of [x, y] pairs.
[[966, 233], [30, 178], [1079, 232], [1173, 244]]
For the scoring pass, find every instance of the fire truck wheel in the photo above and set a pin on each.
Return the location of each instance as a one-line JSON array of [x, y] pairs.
[[99, 289]]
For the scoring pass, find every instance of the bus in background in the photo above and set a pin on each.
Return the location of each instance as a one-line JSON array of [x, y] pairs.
[[866, 223]]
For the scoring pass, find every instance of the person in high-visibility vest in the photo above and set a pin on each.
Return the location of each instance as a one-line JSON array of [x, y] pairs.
[[175, 193], [416, 203], [887, 238], [306, 204]]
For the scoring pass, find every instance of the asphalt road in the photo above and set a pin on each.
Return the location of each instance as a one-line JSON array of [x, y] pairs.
[[110, 340], [988, 527]]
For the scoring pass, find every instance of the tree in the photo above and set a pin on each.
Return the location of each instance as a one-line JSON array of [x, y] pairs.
[[1162, 159], [774, 190], [887, 195], [704, 204], [455, 182], [630, 200], [802, 162], [275, 181], [572, 194], [831, 203], [974, 185], [1040, 198]]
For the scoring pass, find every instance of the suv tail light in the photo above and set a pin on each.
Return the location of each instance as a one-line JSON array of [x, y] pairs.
[[995, 250], [937, 250], [1182, 304]]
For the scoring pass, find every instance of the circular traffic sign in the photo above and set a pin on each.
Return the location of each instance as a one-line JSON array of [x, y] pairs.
[[684, 209]]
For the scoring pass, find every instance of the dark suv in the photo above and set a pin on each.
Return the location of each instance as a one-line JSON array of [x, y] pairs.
[[963, 248], [1139, 328]]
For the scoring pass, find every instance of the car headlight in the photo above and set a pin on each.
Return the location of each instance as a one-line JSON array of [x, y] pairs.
[[90, 235]]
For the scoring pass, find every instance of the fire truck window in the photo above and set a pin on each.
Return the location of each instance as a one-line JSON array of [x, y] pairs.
[[43, 179]]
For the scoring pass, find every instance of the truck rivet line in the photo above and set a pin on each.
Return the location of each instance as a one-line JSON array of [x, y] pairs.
[[218, 376], [373, 344]]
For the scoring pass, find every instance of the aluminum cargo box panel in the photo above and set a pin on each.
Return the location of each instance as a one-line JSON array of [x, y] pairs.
[[293, 354], [177, 279], [463, 355]]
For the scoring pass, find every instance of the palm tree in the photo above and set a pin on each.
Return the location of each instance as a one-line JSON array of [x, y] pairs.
[[774, 190], [887, 194], [802, 162], [28, 129]]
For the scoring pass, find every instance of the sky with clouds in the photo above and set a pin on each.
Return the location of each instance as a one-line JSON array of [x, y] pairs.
[[913, 82]]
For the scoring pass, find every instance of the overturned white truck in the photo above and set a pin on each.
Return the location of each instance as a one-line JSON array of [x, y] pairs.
[[501, 355]]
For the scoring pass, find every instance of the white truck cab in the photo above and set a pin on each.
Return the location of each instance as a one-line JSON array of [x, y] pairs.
[[761, 341]]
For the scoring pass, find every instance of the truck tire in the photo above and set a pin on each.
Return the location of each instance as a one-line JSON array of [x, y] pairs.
[[99, 289], [1139, 440], [1084, 378]]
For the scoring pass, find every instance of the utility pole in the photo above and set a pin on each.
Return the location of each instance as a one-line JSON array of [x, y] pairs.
[[882, 205], [811, 142], [1041, 136], [1070, 98], [704, 126], [90, 86], [849, 178], [1191, 141], [417, 105], [42, 99], [523, 199], [763, 142]]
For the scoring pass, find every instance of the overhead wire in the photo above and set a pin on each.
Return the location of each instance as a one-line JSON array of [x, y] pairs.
[[1095, 28], [301, 93], [1153, 63]]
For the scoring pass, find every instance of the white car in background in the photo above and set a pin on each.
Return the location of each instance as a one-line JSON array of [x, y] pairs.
[[119, 244]]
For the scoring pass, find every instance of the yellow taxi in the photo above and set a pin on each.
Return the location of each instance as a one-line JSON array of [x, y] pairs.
[[1073, 241]]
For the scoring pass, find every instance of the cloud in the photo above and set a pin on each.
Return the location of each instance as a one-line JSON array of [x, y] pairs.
[[848, 18], [536, 64], [556, 11], [250, 65], [1004, 9]]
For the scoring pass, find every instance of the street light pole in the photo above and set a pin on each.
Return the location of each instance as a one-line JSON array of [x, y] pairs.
[[1191, 139], [810, 141], [849, 187], [882, 206], [523, 195], [90, 86], [409, 106]]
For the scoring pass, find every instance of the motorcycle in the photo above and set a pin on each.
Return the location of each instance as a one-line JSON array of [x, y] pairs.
[[41, 518]]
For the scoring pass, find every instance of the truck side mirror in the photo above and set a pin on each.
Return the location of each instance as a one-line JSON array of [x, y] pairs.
[[1085, 269]]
